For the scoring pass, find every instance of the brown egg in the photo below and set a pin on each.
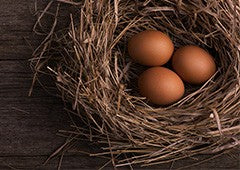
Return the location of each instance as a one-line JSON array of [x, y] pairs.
[[160, 85], [150, 48], [193, 64]]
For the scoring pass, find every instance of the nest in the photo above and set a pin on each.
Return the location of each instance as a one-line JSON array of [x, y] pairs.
[[91, 68]]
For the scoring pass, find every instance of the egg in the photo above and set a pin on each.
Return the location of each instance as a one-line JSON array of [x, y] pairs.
[[150, 48], [160, 85], [193, 64]]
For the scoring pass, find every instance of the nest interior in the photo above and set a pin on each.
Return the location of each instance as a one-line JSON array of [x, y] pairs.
[[91, 67]]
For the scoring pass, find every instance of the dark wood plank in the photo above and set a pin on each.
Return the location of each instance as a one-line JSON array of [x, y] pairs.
[[22, 135], [73, 162], [16, 74], [29, 124], [17, 40], [80, 161], [15, 66], [16, 23]]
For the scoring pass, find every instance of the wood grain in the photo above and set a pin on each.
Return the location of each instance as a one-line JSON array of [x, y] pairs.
[[29, 124]]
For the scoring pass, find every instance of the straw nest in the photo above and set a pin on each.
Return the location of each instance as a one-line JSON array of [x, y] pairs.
[[94, 73]]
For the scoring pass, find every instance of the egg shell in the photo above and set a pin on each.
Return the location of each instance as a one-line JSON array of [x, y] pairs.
[[150, 48], [193, 64], [160, 85]]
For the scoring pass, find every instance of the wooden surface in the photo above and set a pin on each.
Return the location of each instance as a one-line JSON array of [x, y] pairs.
[[29, 124]]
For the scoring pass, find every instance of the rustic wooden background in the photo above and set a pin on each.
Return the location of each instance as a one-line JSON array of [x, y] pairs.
[[28, 125]]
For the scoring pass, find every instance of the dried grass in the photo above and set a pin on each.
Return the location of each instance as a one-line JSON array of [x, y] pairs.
[[93, 72]]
